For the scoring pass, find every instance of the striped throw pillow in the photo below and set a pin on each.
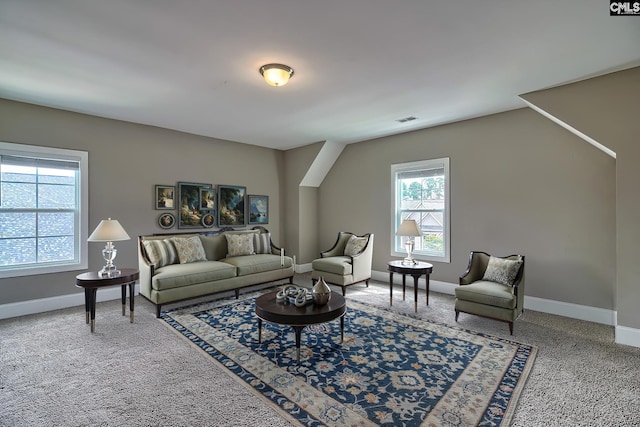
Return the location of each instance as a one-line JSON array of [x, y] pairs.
[[262, 243], [161, 252]]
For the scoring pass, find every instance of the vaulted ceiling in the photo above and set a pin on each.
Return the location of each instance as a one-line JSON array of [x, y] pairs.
[[360, 65]]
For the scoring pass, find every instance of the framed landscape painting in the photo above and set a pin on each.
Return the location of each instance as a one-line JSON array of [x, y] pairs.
[[190, 212], [231, 205], [258, 209]]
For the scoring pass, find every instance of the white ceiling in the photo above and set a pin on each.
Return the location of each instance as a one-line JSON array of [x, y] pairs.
[[192, 65]]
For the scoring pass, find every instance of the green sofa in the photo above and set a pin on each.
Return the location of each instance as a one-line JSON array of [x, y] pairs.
[[168, 275]]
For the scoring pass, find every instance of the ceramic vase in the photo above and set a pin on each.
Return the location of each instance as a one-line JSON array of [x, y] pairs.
[[321, 292]]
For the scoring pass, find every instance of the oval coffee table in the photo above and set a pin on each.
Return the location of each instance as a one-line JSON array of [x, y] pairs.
[[284, 313]]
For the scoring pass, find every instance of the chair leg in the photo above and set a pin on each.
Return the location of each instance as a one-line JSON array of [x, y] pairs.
[[366, 282], [511, 328], [457, 314], [344, 291]]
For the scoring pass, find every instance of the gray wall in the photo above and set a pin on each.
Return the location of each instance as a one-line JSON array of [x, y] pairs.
[[126, 161], [606, 109], [519, 184]]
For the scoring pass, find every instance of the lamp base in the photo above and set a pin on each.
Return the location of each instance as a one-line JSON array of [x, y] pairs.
[[109, 271], [409, 261]]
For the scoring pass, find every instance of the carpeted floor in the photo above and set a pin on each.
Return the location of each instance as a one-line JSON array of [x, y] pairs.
[[54, 372]]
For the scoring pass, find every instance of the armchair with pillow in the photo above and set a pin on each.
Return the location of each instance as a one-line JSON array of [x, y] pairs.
[[492, 287], [347, 262]]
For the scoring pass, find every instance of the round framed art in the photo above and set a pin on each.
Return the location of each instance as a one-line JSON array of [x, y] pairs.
[[208, 220], [166, 220]]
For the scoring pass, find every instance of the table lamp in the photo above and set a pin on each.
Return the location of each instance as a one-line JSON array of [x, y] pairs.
[[109, 230], [409, 229]]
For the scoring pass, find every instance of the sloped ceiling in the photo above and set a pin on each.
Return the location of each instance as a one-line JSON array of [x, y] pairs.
[[359, 64]]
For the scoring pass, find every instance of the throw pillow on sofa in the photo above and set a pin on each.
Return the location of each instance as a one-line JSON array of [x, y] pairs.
[[161, 252], [355, 245], [502, 270], [239, 244], [189, 249], [262, 243]]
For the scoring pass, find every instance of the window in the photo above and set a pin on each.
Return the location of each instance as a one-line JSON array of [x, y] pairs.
[[43, 210], [421, 192]]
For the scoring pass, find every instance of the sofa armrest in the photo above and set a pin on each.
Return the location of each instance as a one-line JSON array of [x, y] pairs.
[[361, 263], [338, 247], [146, 268], [475, 270]]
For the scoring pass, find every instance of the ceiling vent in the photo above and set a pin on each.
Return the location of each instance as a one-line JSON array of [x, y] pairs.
[[406, 119]]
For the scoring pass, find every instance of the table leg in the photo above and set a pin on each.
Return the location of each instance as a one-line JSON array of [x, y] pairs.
[[404, 283], [92, 307], [87, 308], [415, 291], [124, 298], [132, 289], [390, 288], [427, 279], [341, 329], [259, 330]]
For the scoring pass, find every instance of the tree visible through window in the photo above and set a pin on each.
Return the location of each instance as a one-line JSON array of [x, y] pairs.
[[421, 193], [41, 213]]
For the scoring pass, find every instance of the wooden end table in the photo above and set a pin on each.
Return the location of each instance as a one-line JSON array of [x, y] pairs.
[[91, 281], [282, 313], [415, 270]]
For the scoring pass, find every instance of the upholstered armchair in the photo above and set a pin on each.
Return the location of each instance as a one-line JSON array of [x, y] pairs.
[[492, 287], [347, 262]]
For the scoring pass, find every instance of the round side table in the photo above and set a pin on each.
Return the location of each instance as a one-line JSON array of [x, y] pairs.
[[415, 270], [91, 281]]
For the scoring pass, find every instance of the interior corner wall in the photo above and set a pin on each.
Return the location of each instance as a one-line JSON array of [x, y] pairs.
[[300, 232], [606, 109], [126, 161], [519, 184]]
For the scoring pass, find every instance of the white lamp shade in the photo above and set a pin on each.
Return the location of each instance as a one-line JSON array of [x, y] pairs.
[[409, 227], [109, 230]]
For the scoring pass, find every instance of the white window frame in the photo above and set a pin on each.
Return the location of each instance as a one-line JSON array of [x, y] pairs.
[[81, 226], [396, 213]]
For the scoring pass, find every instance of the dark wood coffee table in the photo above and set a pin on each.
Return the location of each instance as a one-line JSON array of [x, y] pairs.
[[267, 308]]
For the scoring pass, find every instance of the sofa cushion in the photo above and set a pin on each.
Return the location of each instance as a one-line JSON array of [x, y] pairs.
[[502, 270], [215, 247], [178, 275], [487, 293], [189, 249], [340, 265], [257, 263], [355, 245], [262, 243], [239, 244], [160, 252]]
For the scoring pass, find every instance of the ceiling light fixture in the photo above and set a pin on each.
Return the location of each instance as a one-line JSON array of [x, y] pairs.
[[276, 74]]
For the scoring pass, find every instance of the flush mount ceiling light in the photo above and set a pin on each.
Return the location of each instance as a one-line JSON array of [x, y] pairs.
[[276, 74]]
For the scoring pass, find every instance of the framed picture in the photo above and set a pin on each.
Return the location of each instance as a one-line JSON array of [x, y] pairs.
[[258, 209], [189, 213], [165, 197], [231, 205], [207, 199], [166, 220], [208, 220]]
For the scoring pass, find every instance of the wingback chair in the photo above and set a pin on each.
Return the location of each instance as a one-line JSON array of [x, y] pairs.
[[492, 287], [347, 262]]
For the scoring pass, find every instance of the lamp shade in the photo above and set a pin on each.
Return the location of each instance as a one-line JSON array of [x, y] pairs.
[[109, 230], [409, 227], [276, 74]]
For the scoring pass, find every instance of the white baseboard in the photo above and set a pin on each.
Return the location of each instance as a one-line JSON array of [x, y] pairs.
[[624, 335], [627, 336], [42, 305], [303, 268]]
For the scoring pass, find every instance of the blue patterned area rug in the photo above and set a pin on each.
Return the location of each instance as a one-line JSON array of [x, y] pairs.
[[391, 369]]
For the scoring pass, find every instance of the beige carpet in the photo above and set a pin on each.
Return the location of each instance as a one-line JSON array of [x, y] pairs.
[[54, 372]]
